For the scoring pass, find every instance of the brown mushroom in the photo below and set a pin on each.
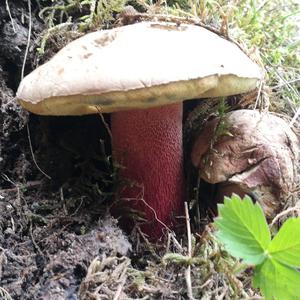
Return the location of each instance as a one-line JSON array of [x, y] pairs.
[[141, 73], [258, 157]]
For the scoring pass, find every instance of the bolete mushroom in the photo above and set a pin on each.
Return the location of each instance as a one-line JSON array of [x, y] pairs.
[[259, 157], [141, 73]]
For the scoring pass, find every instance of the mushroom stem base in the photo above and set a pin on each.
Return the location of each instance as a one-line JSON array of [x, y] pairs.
[[148, 146]]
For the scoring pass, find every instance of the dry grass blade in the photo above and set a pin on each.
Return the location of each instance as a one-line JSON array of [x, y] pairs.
[[10, 16], [4, 294], [295, 209], [189, 254]]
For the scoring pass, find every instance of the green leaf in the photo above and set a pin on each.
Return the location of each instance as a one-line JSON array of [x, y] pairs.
[[243, 229], [285, 247], [277, 281]]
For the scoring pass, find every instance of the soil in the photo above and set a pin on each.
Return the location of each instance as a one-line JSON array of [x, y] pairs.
[[49, 228]]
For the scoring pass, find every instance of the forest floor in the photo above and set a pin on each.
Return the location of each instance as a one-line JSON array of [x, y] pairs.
[[57, 237]]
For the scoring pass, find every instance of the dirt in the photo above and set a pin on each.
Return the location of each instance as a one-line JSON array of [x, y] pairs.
[[46, 250], [49, 229]]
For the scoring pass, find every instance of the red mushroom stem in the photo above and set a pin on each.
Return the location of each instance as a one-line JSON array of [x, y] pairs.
[[148, 144]]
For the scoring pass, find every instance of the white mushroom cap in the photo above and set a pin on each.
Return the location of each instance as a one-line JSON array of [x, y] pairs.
[[142, 65]]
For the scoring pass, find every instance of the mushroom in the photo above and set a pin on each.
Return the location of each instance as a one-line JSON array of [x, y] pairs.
[[259, 157], [141, 73]]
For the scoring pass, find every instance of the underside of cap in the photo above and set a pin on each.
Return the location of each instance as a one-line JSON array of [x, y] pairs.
[[137, 67], [211, 86]]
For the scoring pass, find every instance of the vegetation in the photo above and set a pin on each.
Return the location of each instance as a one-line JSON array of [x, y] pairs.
[[243, 229]]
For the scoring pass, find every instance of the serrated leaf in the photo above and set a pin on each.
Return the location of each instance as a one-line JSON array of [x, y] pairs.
[[243, 229], [277, 281], [285, 247]]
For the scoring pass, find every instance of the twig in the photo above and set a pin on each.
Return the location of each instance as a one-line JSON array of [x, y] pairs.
[[78, 207], [176, 243], [121, 285], [280, 85], [197, 194], [141, 198], [188, 228], [105, 123], [285, 212], [62, 200], [4, 294], [13, 227], [296, 189], [10, 16], [32, 154], [28, 185], [28, 39], [189, 254], [22, 76], [36, 246], [206, 283], [221, 297], [155, 215], [17, 190], [258, 95]]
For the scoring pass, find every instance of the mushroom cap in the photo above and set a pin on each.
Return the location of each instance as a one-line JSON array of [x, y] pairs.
[[259, 156], [137, 66]]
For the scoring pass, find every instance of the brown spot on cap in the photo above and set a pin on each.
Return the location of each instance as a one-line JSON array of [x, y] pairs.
[[105, 39], [60, 71], [87, 55]]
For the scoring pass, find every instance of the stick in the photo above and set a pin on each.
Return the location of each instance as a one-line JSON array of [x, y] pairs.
[[188, 269]]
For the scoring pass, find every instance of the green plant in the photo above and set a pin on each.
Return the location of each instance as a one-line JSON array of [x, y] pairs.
[[243, 230]]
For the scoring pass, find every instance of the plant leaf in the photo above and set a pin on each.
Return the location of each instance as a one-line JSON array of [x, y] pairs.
[[277, 281], [285, 247], [243, 229]]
